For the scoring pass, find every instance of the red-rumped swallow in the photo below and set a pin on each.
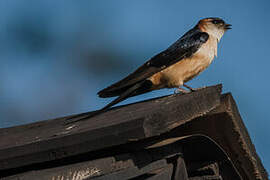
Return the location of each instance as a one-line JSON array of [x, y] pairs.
[[182, 61]]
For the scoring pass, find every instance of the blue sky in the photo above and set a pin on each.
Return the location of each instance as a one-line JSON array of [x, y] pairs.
[[48, 47]]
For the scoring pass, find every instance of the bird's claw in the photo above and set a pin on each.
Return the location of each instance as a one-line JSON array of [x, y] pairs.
[[181, 90], [190, 88]]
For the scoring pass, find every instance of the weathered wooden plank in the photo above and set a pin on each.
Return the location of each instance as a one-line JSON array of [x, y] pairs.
[[133, 172], [54, 139], [162, 174], [80, 170], [134, 157], [204, 168], [163, 126], [225, 126], [199, 151], [238, 140], [181, 169], [206, 178]]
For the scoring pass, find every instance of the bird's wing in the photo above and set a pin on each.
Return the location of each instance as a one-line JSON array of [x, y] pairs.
[[185, 47]]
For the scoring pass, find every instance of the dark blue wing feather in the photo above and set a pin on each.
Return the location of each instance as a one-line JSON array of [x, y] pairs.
[[184, 47]]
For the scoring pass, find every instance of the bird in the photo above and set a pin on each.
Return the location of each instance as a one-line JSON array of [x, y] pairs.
[[172, 68]]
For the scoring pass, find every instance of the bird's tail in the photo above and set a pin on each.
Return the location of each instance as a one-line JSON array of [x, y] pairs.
[[134, 90], [139, 88]]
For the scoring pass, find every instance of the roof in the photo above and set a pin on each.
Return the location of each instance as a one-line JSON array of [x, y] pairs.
[[200, 134]]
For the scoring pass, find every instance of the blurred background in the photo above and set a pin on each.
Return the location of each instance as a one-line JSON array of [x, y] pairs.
[[56, 55]]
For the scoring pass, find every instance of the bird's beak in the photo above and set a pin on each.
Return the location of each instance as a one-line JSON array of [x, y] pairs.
[[227, 26]]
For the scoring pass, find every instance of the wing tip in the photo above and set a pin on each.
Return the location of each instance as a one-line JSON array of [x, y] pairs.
[[109, 92], [102, 94]]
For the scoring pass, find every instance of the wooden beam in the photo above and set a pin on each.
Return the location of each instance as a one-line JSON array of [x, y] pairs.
[[55, 139], [225, 126], [199, 135]]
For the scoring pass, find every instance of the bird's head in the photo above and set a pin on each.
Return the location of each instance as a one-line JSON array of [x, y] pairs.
[[214, 26]]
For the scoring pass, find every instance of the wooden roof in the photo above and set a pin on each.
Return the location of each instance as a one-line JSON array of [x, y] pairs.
[[175, 136]]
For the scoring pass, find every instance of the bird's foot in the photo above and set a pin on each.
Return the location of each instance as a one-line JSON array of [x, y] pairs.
[[190, 88], [193, 89], [180, 90]]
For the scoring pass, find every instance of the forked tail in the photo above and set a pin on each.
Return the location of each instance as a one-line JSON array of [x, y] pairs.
[[139, 88]]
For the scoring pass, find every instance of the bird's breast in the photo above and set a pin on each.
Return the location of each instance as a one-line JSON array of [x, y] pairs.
[[188, 68]]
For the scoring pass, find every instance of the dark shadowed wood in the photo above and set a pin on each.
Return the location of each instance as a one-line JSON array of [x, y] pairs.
[[54, 139], [117, 165], [161, 174], [204, 168], [134, 171], [195, 136], [206, 178], [225, 126], [80, 170], [181, 170]]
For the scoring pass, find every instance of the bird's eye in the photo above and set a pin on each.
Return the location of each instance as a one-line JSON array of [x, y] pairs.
[[216, 22]]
